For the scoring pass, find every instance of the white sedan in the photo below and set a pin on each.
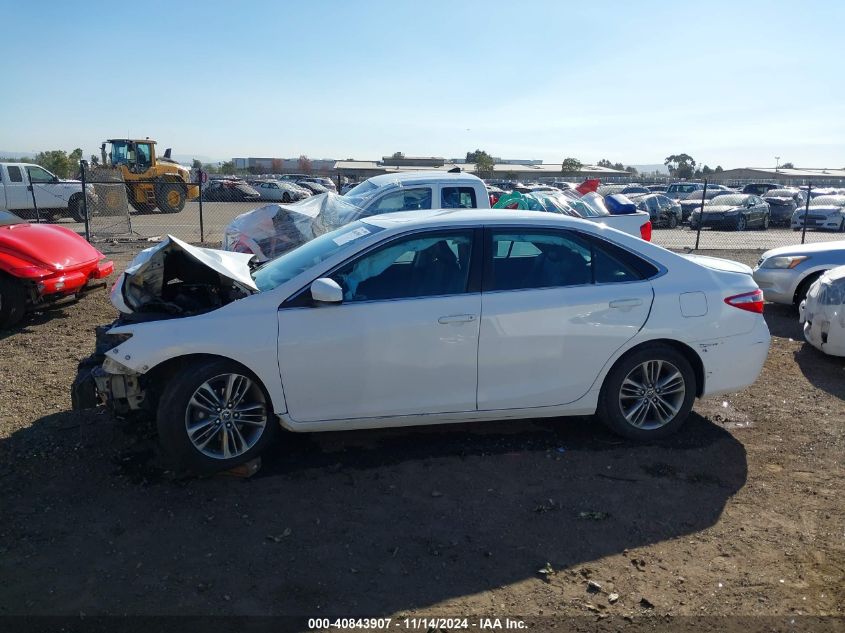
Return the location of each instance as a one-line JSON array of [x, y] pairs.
[[423, 318]]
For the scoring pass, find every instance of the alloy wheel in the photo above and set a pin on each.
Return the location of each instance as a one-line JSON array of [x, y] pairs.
[[226, 416], [652, 394]]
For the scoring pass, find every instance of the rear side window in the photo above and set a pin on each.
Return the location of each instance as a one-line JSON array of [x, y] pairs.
[[523, 260], [457, 198], [15, 174]]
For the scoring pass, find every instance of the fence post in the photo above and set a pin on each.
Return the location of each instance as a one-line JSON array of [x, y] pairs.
[[202, 224], [806, 209], [85, 201], [32, 191], [701, 214]]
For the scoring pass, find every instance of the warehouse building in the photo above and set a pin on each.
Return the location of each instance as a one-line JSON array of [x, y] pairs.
[[791, 176], [531, 171]]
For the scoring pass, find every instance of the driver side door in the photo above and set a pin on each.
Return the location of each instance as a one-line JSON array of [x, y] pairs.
[[404, 340]]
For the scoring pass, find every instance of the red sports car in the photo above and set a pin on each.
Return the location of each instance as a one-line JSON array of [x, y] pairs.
[[41, 264]]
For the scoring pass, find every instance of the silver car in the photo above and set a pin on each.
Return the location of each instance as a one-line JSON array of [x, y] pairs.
[[824, 212], [785, 274]]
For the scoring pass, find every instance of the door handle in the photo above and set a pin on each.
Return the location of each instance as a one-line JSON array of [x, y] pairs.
[[626, 303], [456, 318]]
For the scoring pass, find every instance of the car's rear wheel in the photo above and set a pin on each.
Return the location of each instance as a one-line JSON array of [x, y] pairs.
[[12, 302], [673, 221], [286, 197], [648, 394], [766, 221], [215, 415], [741, 223]]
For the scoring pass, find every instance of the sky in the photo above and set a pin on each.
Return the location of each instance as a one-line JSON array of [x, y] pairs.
[[730, 83]]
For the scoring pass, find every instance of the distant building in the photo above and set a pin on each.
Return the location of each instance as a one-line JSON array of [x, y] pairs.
[[530, 171], [805, 176]]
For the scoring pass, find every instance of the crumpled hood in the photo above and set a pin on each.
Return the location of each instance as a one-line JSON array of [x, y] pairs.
[[169, 276], [49, 246]]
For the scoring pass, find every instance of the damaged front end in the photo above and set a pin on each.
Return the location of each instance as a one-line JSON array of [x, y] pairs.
[[168, 281]]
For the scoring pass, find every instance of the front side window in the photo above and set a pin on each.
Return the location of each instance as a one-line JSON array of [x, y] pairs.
[[417, 266], [145, 156], [404, 200], [457, 198], [524, 260], [15, 174], [36, 174]]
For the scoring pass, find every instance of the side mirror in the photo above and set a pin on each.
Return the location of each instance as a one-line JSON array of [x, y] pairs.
[[55, 179], [326, 290]]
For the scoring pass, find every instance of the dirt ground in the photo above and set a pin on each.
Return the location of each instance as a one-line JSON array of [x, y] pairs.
[[742, 513]]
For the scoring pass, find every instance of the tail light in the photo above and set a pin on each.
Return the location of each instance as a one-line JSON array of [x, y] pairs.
[[750, 301], [645, 231]]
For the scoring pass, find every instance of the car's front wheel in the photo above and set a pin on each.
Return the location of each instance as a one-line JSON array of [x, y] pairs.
[[741, 223], [648, 394], [214, 415]]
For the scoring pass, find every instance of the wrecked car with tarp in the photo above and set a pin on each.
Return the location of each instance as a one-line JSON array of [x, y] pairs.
[[273, 229]]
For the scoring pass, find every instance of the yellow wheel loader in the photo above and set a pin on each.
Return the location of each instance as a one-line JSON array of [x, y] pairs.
[[151, 181]]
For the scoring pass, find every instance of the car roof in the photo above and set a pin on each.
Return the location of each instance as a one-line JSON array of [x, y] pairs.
[[441, 217], [420, 177]]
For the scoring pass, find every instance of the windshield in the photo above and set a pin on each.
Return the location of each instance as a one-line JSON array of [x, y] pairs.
[[729, 201], [682, 188], [361, 193], [285, 267], [781, 193], [8, 219], [828, 201]]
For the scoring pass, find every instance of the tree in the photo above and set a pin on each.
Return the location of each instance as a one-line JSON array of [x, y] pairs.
[[706, 171], [605, 163], [196, 164], [304, 164], [483, 163], [680, 165], [58, 162], [571, 166], [787, 166], [228, 167], [718, 169], [632, 170]]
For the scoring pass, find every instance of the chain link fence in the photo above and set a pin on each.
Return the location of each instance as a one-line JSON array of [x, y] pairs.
[[718, 218]]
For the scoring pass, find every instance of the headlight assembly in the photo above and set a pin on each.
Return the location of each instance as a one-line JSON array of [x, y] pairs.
[[787, 261]]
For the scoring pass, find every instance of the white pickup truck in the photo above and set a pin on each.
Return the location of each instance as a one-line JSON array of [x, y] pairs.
[[55, 198], [415, 190]]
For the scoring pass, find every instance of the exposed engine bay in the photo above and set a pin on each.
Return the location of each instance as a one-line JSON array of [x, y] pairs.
[[170, 280], [175, 279]]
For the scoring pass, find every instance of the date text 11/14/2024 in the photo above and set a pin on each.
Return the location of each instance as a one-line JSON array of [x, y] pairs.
[[420, 623]]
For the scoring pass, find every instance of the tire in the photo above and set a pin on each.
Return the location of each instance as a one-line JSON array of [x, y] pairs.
[[171, 197], [673, 221], [629, 370], [178, 409], [766, 222], [842, 226], [741, 223], [286, 197], [12, 302], [804, 288], [76, 208]]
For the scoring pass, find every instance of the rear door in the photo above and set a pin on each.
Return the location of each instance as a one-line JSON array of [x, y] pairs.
[[18, 196], [556, 305]]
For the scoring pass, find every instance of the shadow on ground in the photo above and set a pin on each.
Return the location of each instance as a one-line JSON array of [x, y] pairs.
[[367, 522]]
